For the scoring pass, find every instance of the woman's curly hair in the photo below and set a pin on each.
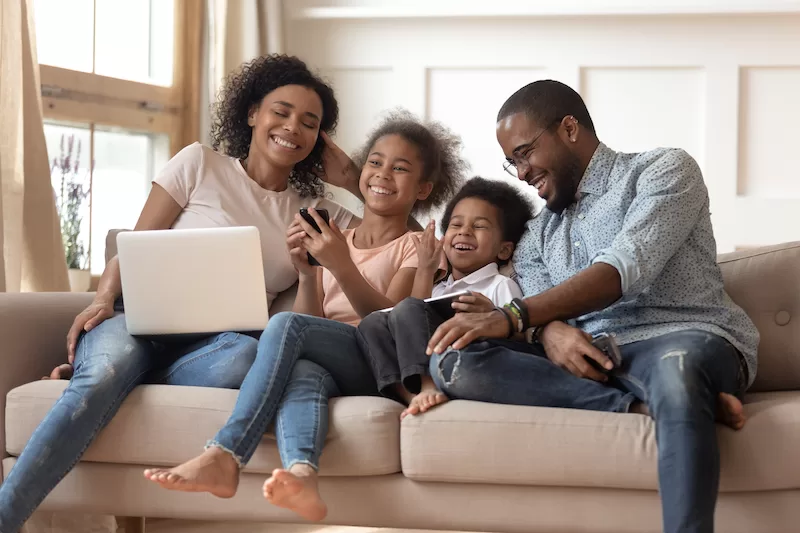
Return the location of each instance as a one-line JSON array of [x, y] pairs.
[[439, 148], [246, 88]]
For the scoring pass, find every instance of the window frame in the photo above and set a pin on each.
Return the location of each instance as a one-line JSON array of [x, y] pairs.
[[94, 100]]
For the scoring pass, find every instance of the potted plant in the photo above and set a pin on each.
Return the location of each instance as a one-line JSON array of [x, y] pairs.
[[71, 193]]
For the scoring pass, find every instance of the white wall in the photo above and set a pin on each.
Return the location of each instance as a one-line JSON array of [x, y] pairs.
[[723, 85]]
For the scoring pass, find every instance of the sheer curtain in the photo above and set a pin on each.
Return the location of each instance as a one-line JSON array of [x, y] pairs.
[[236, 31], [32, 253]]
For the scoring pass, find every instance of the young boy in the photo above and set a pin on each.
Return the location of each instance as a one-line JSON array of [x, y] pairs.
[[481, 225]]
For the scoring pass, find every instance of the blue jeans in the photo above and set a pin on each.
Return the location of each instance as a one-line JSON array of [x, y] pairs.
[[679, 376], [109, 363], [302, 361]]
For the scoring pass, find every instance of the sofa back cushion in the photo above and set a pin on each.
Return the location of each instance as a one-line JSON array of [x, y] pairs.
[[766, 283]]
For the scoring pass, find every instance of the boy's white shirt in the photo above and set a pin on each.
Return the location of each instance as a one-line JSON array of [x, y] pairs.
[[487, 281]]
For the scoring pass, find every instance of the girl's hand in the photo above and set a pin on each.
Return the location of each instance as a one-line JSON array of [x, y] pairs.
[[338, 168], [297, 252], [329, 247], [429, 249]]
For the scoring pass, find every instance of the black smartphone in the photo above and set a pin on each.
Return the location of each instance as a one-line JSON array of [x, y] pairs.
[[323, 213], [606, 344], [443, 305]]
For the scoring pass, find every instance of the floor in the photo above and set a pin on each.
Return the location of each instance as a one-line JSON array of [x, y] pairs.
[[44, 522], [187, 526]]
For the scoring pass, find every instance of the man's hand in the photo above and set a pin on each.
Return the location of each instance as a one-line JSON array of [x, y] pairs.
[[464, 328], [566, 347]]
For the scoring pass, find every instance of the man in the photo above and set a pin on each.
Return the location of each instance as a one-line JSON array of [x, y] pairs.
[[625, 247]]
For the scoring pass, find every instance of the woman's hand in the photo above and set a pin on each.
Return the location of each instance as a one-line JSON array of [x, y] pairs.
[[429, 249], [338, 168], [297, 252], [329, 247], [100, 309], [473, 302]]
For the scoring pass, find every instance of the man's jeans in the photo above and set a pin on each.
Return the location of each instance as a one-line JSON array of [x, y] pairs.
[[679, 376], [302, 361], [109, 363]]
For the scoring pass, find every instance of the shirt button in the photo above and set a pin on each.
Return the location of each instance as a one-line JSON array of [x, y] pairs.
[[581, 216], [577, 244]]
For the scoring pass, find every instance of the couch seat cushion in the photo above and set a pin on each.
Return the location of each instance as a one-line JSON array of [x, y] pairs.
[[166, 425], [472, 442]]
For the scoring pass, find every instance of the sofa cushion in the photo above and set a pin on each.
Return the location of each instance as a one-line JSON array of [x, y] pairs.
[[765, 282], [472, 442], [166, 425]]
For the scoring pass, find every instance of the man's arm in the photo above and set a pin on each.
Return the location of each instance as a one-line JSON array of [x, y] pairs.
[[592, 289], [670, 198]]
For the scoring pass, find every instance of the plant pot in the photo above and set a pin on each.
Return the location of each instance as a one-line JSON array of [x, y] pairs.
[[79, 280]]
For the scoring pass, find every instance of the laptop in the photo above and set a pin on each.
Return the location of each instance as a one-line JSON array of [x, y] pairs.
[[183, 283]]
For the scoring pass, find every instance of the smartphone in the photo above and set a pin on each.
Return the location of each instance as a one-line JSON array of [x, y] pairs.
[[443, 305], [323, 213], [606, 344]]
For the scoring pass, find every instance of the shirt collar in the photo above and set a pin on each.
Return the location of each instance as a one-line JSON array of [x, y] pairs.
[[596, 175], [479, 275]]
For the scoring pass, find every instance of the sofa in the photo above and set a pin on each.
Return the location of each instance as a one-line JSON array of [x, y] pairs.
[[463, 466]]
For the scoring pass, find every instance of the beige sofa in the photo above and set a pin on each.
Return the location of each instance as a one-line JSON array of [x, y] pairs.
[[466, 465]]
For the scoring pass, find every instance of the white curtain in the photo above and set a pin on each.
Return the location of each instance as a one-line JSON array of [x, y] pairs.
[[30, 234], [236, 31]]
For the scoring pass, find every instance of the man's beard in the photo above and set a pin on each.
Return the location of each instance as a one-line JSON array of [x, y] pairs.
[[565, 182]]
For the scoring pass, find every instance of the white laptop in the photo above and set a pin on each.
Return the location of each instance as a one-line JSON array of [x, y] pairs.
[[185, 282]]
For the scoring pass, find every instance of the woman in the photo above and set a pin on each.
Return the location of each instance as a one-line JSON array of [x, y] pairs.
[[270, 122]]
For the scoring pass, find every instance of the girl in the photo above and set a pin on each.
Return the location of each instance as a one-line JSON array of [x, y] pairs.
[[268, 122], [481, 226], [305, 359]]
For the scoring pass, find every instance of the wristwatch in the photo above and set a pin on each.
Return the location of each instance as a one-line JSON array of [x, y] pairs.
[[532, 334]]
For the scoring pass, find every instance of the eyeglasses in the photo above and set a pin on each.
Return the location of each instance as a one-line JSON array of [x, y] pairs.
[[518, 164]]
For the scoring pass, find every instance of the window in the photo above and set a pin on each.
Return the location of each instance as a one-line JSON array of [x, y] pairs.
[[119, 79], [131, 39]]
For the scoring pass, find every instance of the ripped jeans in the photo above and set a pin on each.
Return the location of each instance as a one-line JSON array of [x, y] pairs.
[[109, 363], [679, 376]]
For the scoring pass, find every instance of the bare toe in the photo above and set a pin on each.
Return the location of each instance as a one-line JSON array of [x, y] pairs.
[[213, 471], [730, 411], [297, 493]]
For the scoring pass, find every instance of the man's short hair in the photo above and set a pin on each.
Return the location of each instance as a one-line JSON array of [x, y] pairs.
[[547, 102]]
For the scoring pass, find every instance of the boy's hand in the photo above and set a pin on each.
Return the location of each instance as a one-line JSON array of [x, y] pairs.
[[473, 302], [429, 249]]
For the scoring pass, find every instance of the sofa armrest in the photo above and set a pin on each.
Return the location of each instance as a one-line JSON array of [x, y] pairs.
[[33, 330]]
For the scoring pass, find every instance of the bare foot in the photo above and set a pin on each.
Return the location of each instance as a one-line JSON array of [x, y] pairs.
[[427, 398], [730, 410], [296, 490], [64, 371], [213, 471]]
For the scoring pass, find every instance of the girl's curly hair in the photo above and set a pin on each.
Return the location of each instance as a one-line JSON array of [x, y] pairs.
[[439, 148], [246, 88]]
